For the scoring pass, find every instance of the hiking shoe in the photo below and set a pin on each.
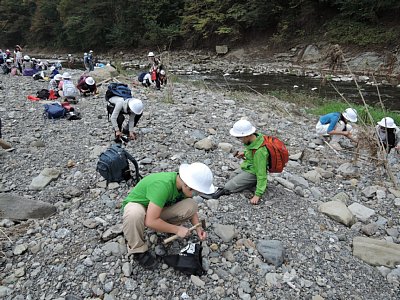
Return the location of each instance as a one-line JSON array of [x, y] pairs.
[[220, 192], [146, 260]]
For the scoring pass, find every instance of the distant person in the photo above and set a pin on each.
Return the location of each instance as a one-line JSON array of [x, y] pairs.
[[2, 57], [155, 69], [163, 78], [118, 107], [86, 61], [18, 59], [87, 85], [7, 66], [91, 61], [53, 72], [163, 202], [66, 88], [54, 84], [70, 61], [388, 134], [145, 79], [337, 124]]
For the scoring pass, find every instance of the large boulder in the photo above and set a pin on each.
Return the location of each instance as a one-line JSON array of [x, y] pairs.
[[101, 74]]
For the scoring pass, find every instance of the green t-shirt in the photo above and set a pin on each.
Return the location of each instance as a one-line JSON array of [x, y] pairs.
[[158, 188]]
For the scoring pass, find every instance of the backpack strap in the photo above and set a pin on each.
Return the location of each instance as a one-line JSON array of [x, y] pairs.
[[131, 159]]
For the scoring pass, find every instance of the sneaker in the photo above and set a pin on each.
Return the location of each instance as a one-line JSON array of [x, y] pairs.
[[146, 260], [220, 192]]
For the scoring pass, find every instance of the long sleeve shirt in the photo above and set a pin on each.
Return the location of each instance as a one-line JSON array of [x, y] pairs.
[[121, 106], [257, 163]]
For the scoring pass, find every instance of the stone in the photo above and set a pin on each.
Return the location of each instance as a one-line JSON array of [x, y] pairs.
[[296, 156], [10, 207], [316, 193], [376, 252], [272, 251], [313, 176], [226, 147], [369, 191], [44, 178], [299, 181], [112, 232], [213, 204], [97, 150], [362, 212], [395, 192], [114, 248], [225, 232], [348, 170], [287, 184], [204, 144], [221, 49], [394, 276], [341, 197], [20, 249], [338, 211], [370, 229], [197, 281], [273, 279], [393, 232], [38, 144], [5, 291], [397, 202]]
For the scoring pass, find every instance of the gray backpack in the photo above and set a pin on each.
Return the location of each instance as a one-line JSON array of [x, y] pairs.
[[113, 165]]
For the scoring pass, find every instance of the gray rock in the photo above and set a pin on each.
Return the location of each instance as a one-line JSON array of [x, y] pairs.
[[393, 232], [394, 276], [5, 291], [296, 156], [338, 211], [273, 279], [43, 179], [112, 232], [284, 182], [38, 144], [213, 204], [362, 212], [114, 248], [313, 176], [397, 202], [197, 281], [272, 251], [370, 229], [226, 147], [395, 192], [369, 191], [316, 193], [127, 269], [348, 170], [10, 207], [20, 249], [299, 181], [204, 144], [375, 252], [225, 232], [342, 197]]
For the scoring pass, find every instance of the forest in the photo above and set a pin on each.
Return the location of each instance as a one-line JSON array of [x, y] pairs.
[[194, 24]]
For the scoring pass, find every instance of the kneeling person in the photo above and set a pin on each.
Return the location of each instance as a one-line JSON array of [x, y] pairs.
[[162, 202]]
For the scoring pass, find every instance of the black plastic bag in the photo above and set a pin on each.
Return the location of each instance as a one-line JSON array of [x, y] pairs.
[[188, 261]]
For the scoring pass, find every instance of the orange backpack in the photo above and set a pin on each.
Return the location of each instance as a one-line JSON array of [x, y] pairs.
[[278, 153]]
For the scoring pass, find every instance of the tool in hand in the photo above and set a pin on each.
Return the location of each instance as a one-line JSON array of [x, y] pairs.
[[174, 237]]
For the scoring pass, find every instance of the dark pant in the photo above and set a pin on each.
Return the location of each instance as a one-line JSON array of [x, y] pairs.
[[120, 119]]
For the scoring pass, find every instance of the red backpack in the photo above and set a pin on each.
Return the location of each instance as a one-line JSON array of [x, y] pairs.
[[278, 154]]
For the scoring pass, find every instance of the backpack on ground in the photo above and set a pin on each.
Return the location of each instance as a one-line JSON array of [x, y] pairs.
[[141, 76], [278, 153], [54, 111], [118, 89], [43, 94], [113, 165], [188, 261]]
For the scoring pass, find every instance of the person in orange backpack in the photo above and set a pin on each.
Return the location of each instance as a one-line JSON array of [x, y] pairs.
[[254, 168]]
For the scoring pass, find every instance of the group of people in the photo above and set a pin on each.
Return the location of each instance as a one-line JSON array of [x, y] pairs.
[[164, 201], [63, 86], [156, 75], [336, 124]]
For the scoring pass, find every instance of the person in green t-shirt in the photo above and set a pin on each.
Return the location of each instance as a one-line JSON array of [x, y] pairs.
[[254, 169], [162, 201]]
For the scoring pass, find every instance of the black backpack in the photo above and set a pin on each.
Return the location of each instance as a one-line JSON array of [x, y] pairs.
[[113, 165], [118, 89], [43, 94]]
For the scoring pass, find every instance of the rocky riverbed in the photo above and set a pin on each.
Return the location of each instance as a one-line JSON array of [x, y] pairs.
[[336, 220]]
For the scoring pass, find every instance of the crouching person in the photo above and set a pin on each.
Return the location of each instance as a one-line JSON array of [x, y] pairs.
[[163, 201]]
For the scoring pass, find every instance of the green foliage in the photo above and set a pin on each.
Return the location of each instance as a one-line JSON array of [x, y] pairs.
[[358, 33]]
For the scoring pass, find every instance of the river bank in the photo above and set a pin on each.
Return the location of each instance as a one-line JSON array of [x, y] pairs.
[[72, 254]]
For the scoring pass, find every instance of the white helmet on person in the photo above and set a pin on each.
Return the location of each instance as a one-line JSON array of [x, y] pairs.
[[387, 122], [8, 60], [26, 57], [242, 128], [350, 114], [135, 105], [66, 75], [52, 68], [198, 177], [90, 81], [162, 72], [151, 54], [58, 77], [85, 54]]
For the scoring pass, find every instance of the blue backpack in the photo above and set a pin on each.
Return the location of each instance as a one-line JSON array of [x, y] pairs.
[[54, 111], [113, 165], [118, 89]]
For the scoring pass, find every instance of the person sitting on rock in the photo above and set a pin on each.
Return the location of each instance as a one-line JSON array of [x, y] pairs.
[[117, 107], [336, 124], [87, 86], [254, 169], [162, 202], [388, 134]]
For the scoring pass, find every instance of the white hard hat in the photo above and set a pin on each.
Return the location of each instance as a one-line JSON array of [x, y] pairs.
[[69, 55], [66, 75], [197, 176], [151, 54], [8, 60], [350, 114], [85, 53], [90, 81], [26, 57], [52, 68], [162, 72], [135, 105], [58, 77], [242, 128], [91, 51], [387, 122]]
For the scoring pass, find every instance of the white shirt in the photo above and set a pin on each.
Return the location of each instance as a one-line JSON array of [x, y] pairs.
[[121, 105]]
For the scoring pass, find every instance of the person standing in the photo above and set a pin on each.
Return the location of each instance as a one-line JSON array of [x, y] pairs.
[[163, 202], [18, 58], [91, 61]]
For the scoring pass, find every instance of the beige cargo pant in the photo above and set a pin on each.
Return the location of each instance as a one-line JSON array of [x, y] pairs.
[[135, 213]]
